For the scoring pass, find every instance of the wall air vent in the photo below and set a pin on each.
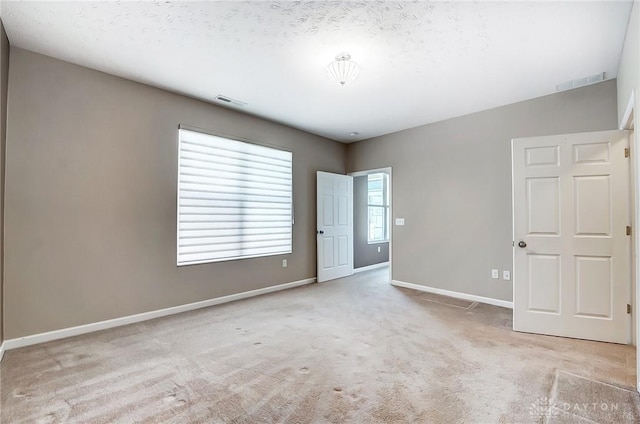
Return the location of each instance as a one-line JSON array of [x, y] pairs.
[[230, 101], [580, 82]]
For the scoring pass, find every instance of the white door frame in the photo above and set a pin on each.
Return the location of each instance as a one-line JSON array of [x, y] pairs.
[[388, 170], [627, 123]]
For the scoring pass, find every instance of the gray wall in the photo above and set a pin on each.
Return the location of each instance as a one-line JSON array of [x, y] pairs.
[[4, 83], [91, 198], [364, 254], [452, 184]]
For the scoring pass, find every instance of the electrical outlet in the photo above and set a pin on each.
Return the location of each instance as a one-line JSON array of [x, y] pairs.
[[378, 249], [284, 263], [506, 275], [495, 274]]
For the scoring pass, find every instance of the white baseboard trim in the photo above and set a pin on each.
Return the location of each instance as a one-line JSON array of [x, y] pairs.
[[1, 351], [458, 295], [370, 267], [145, 316]]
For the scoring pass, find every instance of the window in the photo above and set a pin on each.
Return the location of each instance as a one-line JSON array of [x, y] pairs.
[[378, 202], [234, 199]]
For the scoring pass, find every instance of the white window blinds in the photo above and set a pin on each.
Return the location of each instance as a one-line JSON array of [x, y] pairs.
[[234, 199]]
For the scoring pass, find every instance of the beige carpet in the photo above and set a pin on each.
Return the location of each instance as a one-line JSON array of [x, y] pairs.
[[352, 350]]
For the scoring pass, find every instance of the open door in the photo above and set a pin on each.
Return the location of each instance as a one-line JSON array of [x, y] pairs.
[[571, 245], [334, 231]]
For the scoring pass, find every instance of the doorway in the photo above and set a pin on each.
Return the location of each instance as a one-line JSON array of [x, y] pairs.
[[372, 215]]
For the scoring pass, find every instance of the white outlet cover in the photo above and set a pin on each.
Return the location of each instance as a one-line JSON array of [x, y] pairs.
[[506, 275], [495, 273], [284, 263], [399, 221]]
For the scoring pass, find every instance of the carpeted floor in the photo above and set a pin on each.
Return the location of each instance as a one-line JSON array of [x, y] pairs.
[[352, 350]]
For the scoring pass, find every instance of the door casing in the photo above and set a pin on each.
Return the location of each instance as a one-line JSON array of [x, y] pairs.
[[627, 123], [388, 171]]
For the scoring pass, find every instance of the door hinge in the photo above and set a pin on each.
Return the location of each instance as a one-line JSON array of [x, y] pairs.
[[626, 152], [628, 308], [628, 230]]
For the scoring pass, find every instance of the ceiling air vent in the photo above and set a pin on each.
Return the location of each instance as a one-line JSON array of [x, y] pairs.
[[580, 82], [230, 101]]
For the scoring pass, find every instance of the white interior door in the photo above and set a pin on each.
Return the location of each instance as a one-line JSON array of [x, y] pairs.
[[334, 230], [572, 252]]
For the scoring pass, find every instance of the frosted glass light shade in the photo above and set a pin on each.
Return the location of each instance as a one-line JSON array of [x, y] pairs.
[[343, 70]]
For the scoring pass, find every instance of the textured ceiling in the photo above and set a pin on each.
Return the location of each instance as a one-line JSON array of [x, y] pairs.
[[421, 62]]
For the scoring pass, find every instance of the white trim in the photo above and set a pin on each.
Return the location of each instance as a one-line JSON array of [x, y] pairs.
[[370, 267], [457, 295], [1, 351], [514, 271], [627, 120], [386, 170], [391, 220], [131, 319]]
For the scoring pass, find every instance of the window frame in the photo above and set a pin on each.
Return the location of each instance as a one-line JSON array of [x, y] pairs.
[[206, 132], [385, 208]]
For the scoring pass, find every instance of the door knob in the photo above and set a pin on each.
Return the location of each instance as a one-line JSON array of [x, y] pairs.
[[320, 232], [522, 244]]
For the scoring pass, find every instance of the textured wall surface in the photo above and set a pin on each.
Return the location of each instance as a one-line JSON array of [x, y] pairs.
[[422, 61], [91, 198]]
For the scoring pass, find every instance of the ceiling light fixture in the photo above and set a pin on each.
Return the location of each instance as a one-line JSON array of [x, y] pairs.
[[343, 70]]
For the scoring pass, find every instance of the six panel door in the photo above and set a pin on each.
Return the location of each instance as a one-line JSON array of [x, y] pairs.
[[572, 253], [334, 226]]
